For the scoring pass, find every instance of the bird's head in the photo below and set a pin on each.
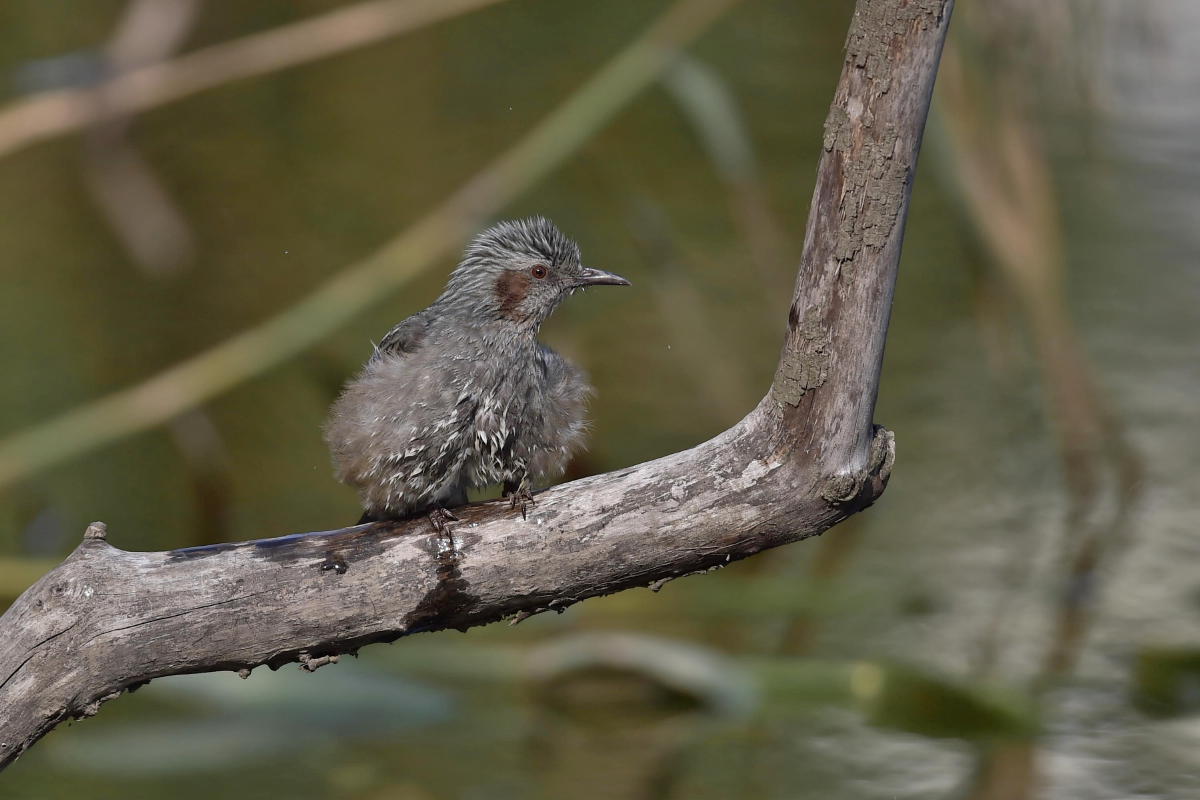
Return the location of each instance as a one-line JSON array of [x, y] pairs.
[[519, 271]]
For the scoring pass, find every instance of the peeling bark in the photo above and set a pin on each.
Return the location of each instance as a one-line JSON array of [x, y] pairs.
[[807, 457]]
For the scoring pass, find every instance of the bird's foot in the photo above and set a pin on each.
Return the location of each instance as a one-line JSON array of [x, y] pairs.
[[440, 519], [521, 497]]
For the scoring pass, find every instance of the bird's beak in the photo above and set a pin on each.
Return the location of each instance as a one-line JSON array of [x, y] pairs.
[[598, 277]]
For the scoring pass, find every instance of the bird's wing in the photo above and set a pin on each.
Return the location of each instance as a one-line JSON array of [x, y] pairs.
[[404, 338]]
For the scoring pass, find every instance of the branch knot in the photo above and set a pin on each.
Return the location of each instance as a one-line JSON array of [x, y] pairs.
[[862, 488], [96, 531]]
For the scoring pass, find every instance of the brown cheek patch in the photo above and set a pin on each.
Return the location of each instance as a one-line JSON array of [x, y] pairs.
[[511, 288]]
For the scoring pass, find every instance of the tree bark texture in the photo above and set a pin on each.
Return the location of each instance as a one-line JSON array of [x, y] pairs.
[[804, 459]]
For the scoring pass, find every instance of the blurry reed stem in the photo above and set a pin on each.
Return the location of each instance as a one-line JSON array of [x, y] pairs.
[[1008, 771], [124, 186], [54, 113], [709, 105], [204, 376], [1010, 196]]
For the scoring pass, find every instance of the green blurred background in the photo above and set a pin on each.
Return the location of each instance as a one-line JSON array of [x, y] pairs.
[[1019, 616]]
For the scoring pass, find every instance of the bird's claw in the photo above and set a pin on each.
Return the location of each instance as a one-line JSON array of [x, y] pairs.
[[524, 498], [440, 519]]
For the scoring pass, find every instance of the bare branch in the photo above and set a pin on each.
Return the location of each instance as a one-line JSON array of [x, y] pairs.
[[59, 112], [804, 459], [121, 181]]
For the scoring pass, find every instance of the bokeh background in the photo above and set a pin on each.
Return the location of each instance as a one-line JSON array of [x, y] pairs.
[[1019, 616]]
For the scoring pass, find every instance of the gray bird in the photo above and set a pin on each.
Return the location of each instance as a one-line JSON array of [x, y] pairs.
[[462, 395]]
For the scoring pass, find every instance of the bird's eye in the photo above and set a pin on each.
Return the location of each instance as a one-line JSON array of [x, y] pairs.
[[539, 271]]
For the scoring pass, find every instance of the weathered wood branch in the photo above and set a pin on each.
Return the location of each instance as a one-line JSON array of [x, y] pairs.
[[806, 458]]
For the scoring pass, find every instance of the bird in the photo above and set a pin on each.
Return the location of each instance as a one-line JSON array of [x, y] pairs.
[[462, 395]]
